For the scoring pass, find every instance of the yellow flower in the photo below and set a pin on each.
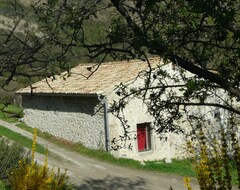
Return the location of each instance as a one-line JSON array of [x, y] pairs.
[[187, 183]]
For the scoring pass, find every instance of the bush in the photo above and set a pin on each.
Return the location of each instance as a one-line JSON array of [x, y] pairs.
[[34, 176], [10, 154], [2, 185], [218, 160], [37, 177]]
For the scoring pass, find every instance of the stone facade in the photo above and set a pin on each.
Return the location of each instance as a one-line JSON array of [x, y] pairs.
[[78, 119]]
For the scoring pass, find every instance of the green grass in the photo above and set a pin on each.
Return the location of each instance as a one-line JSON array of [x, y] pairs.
[[25, 127], [182, 167], [3, 186], [8, 118], [11, 109], [24, 141]]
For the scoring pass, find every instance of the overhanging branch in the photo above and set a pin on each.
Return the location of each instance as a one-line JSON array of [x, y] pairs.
[[205, 104], [206, 75]]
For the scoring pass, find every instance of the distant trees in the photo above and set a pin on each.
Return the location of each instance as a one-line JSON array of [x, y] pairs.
[[44, 39]]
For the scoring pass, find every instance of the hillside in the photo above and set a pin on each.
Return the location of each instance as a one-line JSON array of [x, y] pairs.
[[21, 28], [94, 29]]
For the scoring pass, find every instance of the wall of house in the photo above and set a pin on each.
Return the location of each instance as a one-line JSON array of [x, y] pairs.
[[170, 145], [165, 147], [78, 119]]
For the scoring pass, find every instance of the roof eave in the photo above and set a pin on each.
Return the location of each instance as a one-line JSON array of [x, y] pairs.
[[60, 94]]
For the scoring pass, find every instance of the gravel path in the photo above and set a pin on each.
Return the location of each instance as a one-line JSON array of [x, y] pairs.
[[89, 174]]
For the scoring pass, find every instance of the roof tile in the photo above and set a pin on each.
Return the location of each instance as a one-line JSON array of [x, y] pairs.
[[83, 79]]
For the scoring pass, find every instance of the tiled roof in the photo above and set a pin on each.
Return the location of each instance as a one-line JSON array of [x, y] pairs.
[[104, 79]]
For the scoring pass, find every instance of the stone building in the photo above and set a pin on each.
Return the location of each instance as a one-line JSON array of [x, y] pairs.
[[76, 108]]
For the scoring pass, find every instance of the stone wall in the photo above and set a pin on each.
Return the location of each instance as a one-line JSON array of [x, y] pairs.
[[78, 119]]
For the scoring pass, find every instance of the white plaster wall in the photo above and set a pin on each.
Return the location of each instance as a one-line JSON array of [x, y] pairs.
[[170, 145], [77, 119], [136, 112], [161, 148]]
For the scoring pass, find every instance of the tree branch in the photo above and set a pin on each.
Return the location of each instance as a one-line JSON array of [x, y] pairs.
[[205, 104], [203, 73]]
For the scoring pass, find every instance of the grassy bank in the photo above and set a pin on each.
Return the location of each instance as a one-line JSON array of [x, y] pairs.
[[22, 140]]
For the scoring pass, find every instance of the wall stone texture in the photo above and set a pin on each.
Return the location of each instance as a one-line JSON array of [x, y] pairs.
[[78, 119]]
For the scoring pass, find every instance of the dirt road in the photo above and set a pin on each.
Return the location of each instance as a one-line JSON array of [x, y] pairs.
[[89, 174]]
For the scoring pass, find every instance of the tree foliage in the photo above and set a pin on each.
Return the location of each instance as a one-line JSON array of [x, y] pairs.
[[200, 37]]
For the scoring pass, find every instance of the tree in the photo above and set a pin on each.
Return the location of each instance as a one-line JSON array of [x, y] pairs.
[[38, 41], [199, 37]]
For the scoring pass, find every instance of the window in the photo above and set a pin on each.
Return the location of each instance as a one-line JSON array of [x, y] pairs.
[[143, 137]]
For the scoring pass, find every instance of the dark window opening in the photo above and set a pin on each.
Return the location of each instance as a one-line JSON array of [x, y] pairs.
[[143, 137]]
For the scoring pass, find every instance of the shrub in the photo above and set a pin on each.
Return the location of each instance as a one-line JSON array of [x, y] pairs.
[[10, 154], [217, 160], [34, 176], [2, 185]]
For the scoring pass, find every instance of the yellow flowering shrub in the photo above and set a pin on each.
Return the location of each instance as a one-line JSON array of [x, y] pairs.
[[213, 160], [32, 176], [187, 183]]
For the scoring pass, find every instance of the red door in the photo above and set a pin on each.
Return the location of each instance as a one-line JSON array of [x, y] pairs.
[[141, 136]]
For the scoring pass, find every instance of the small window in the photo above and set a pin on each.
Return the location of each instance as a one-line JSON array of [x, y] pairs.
[[143, 137]]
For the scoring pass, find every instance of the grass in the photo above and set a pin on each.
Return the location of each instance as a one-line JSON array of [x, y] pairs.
[[11, 108], [182, 167], [3, 186], [6, 117], [24, 141]]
